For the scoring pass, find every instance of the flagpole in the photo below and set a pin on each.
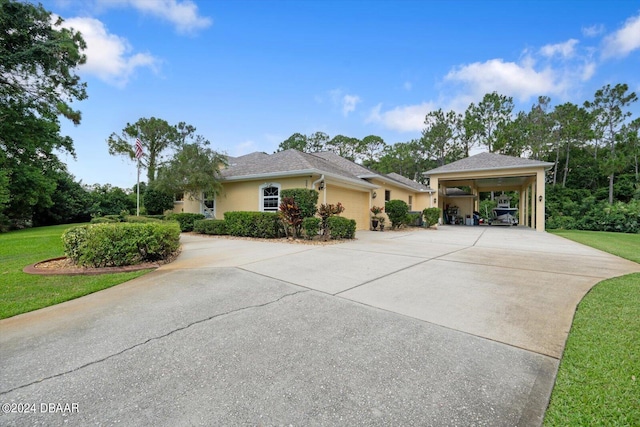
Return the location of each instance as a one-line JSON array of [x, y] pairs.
[[138, 190]]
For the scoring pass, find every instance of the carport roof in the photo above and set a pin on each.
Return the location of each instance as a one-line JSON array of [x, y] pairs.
[[487, 161]]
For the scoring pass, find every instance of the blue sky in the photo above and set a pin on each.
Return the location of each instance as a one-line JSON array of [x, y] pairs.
[[248, 74]]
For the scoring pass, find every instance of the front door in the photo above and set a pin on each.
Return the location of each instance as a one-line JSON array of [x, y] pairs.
[[208, 205]]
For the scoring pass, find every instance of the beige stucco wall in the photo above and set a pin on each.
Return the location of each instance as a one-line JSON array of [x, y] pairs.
[[245, 196], [356, 203], [465, 205], [187, 205]]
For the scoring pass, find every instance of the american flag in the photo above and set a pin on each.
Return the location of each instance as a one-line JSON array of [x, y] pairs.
[[139, 151]]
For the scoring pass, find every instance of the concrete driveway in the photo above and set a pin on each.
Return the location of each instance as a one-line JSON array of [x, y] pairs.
[[459, 326]]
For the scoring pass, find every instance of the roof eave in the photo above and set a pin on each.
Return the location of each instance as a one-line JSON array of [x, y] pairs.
[[546, 165], [288, 174]]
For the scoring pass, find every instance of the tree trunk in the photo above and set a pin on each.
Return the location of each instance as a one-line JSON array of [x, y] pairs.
[[611, 188], [555, 166], [566, 165]]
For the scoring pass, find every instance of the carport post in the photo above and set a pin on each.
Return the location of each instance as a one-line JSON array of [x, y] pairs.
[[540, 200]]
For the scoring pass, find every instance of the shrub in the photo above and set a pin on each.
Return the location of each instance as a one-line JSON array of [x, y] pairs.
[[397, 211], [102, 220], [140, 219], [341, 228], [306, 199], [155, 216], [252, 224], [156, 201], [326, 211], [431, 216], [291, 217], [185, 220], [217, 227], [414, 219], [119, 244], [311, 226]]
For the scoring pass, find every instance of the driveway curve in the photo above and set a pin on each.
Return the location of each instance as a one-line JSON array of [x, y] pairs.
[[459, 326]]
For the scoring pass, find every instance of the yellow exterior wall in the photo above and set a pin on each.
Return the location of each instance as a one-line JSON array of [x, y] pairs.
[[242, 195], [356, 204], [245, 196], [465, 205], [188, 205]]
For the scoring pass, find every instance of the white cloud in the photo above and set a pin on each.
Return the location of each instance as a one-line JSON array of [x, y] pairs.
[[108, 55], [183, 15], [509, 78], [623, 41], [565, 50], [593, 31], [346, 102], [406, 118], [349, 104]]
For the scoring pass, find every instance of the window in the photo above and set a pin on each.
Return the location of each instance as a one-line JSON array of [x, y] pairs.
[[178, 197], [269, 197], [387, 195], [410, 202]]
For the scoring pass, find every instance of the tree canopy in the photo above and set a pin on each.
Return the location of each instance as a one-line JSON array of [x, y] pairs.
[[194, 169], [38, 83]]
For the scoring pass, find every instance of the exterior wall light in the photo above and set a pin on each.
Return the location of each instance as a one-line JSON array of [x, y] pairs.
[[321, 186], [374, 195], [540, 198]]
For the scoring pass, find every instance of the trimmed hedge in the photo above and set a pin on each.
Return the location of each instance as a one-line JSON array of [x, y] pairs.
[[185, 220], [140, 219], [311, 227], [253, 224], [216, 227], [341, 228], [119, 244]]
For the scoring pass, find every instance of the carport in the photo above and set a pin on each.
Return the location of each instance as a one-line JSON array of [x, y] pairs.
[[486, 172]]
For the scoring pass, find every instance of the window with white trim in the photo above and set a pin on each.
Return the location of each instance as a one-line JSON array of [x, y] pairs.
[[269, 197]]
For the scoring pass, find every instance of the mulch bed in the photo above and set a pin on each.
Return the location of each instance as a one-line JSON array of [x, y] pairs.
[[64, 266]]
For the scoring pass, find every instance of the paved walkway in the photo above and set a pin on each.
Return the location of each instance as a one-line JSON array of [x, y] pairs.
[[460, 326]]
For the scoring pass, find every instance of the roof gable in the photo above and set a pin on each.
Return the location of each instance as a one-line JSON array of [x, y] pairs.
[[487, 161]]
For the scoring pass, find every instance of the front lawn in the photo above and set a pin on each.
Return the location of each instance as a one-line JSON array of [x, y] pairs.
[[23, 292], [599, 375]]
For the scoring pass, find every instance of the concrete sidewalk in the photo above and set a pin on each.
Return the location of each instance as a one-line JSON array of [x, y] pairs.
[[460, 326]]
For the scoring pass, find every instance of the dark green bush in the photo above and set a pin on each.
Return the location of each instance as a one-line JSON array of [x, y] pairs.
[[156, 201], [217, 227], [155, 216], [306, 199], [253, 224], [341, 228], [103, 220], [119, 244], [431, 216], [185, 220], [397, 211], [143, 219], [414, 219], [311, 227]]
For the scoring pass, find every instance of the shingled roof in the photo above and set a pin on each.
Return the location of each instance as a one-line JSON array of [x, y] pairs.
[[487, 161], [282, 163], [408, 182]]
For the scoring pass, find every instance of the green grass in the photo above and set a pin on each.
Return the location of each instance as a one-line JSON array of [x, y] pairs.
[[598, 380], [23, 292], [621, 244]]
